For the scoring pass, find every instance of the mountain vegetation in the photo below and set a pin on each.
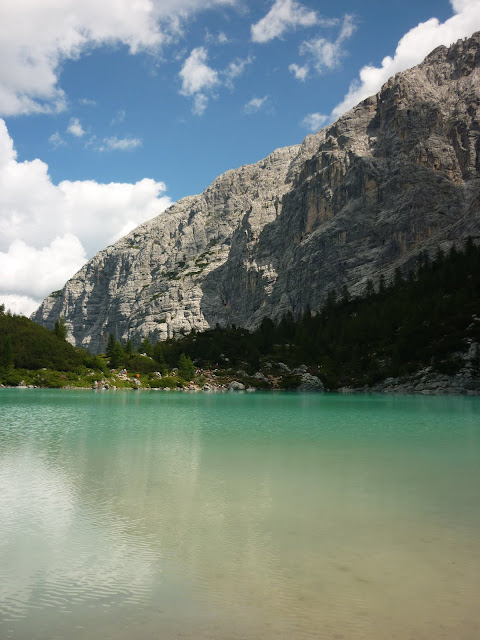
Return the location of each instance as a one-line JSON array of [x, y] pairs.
[[27, 347]]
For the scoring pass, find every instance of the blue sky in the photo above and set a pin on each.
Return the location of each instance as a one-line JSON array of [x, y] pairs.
[[110, 111]]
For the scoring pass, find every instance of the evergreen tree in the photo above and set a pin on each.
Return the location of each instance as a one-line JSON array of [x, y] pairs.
[[345, 294], [129, 350], [186, 368], [110, 345], [160, 358], [117, 358], [60, 329], [369, 289], [267, 329], [146, 347], [397, 278], [381, 285], [6, 356]]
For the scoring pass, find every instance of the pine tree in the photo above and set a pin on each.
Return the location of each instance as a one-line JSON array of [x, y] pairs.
[[345, 295], [117, 358], [381, 285], [60, 329], [369, 289], [186, 368], [146, 347], [129, 350], [7, 359], [159, 358], [110, 345]]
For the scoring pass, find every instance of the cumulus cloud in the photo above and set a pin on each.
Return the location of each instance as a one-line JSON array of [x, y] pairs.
[[324, 53], [75, 128], [120, 144], [412, 49], [47, 231], [255, 104], [199, 79], [314, 121], [300, 73], [216, 38], [235, 69], [38, 36], [56, 140], [284, 15], [196, 75]]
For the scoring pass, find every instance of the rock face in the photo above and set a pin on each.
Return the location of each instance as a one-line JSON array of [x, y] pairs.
[[397, 175]]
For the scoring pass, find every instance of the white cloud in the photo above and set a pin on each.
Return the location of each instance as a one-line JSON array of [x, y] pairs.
[[75, 128], [300, 73], [284, 15], [255, 104], [235, 69], [200, 103], [328, 53], [412, 49], [88, 102], [216, 38], [196, 75], [197, 78], [120, 144], [47, 231], [56, 140], [314, 121], [22, 305], [37, 36]]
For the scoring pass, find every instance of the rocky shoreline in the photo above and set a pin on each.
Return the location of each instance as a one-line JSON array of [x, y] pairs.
[[423, 382]]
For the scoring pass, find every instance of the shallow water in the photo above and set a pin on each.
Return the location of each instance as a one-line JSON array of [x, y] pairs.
[[261, 516]]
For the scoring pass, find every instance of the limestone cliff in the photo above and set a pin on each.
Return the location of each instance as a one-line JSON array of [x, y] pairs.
[[396, 175]]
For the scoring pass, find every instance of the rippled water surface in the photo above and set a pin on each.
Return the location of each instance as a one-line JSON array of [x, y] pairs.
[[129, 515]]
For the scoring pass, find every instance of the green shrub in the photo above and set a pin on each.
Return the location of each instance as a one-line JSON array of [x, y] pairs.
[[165, 383], [12, 378], [141, 364], [290, 382]]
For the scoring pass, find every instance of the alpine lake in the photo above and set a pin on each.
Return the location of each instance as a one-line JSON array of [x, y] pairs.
[[194, 516]]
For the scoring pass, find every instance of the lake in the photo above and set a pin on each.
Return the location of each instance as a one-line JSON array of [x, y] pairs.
[[156, 515]]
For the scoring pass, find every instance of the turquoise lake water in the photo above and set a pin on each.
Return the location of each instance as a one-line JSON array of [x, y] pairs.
[[155, 515]]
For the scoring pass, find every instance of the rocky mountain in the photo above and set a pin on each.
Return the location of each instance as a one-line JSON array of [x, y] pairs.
[[398, 174]]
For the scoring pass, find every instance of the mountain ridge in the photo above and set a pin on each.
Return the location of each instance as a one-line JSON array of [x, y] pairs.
[[393, 177]]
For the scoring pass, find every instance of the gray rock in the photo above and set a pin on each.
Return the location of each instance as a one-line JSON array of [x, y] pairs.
[[395, 176], [298, 371], [310, 383], [236, 386]]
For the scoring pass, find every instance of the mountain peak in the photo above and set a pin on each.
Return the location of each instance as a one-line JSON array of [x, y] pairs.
[[393, 177]]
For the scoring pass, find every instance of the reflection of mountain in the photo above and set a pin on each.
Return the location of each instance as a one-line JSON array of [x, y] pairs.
[[395, 176]]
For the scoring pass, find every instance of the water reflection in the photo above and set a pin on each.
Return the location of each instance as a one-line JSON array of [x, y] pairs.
[[134, 515]]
